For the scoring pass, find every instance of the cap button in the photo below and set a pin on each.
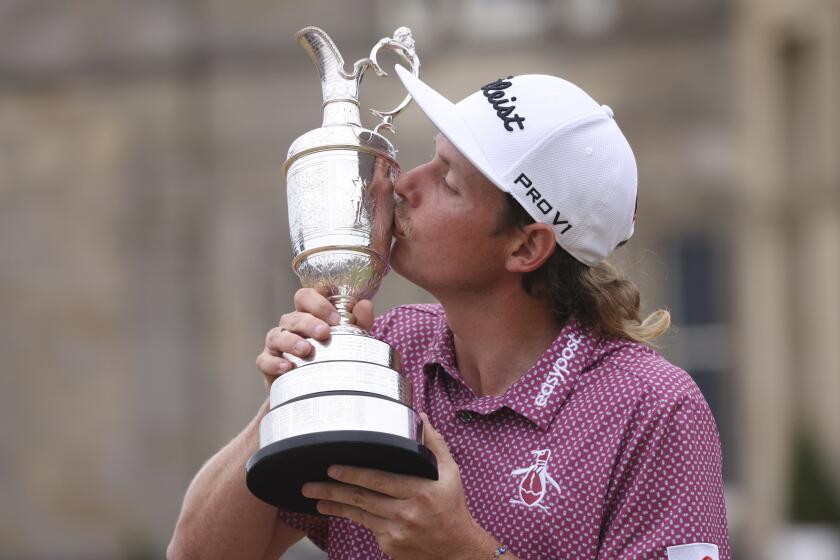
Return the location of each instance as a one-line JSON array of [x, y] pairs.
[[608, 110]]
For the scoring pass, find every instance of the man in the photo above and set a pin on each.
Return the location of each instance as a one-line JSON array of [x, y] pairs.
[[559, 432]]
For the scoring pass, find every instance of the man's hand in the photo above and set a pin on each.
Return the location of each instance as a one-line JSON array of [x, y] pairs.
[[411, 517], [311, 318]]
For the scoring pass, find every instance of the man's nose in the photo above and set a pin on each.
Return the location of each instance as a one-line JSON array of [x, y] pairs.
[[406, 186]]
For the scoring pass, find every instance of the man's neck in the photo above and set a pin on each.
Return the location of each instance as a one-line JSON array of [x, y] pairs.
[[499, 337]]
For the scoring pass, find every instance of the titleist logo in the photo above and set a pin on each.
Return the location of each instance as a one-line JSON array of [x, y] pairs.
[[495, 94]]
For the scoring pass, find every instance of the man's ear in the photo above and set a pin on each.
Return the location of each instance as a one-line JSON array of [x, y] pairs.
[[530, 248]]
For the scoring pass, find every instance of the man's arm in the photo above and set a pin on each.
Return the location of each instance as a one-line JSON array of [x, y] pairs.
[[220, 518], [669, 491]]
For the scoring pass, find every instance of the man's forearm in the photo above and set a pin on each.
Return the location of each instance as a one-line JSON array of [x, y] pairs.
[[220, 518]]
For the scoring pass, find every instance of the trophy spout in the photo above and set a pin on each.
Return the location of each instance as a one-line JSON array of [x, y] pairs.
[[340, 90]]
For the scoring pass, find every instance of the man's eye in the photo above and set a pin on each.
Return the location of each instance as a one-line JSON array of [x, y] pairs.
[[447, 185]]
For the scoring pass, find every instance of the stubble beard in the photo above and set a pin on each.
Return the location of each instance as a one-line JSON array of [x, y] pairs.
[[406, 234], [402, 221]]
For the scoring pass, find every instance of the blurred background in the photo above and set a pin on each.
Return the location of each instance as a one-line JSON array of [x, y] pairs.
[[144, 246]]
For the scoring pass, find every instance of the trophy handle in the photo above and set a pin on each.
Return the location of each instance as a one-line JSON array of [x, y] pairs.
[[401, 43]]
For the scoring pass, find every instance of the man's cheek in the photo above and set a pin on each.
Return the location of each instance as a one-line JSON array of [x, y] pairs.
[[397, 258]]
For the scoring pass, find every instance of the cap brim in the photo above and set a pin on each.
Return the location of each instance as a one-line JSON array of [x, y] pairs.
[[445, 116]]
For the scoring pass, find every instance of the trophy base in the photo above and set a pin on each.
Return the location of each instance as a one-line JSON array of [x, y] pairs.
[[276, 473]]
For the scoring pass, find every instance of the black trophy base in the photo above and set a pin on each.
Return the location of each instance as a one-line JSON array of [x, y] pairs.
[[276, 473]]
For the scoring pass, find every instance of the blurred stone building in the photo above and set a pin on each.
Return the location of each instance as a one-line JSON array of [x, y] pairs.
[[145, 248], [787, 264]]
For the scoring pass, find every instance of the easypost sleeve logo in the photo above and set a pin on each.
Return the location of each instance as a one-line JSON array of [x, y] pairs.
[[694, 551]]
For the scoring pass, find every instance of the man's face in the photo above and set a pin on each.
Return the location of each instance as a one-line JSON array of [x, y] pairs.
[[446, 225]]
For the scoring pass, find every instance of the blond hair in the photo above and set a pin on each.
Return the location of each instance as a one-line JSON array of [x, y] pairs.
[[614, 302], [601, 297]]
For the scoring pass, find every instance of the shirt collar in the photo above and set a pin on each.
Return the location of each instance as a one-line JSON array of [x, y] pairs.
[[542, 390], [441, 351]]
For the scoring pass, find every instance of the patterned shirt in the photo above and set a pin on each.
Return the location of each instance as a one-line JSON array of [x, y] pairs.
[[601, 450]]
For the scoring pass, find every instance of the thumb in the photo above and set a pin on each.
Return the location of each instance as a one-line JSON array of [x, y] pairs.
[[434, 441], [363, 312]]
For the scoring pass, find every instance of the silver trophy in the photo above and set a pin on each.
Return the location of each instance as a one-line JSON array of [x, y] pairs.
[[345, 403]]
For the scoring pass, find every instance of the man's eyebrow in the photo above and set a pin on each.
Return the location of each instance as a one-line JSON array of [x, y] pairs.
[[440, 155]]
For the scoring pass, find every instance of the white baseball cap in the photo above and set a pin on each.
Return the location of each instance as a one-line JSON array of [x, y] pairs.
[[546, 142]]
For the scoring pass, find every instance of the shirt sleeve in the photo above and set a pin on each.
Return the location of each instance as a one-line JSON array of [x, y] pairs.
[[315, 527], [668, 489]]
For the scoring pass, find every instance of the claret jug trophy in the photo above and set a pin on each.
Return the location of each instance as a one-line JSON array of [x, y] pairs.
[[346, 402]]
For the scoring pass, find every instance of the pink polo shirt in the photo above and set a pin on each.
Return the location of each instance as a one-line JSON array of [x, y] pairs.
[[602, 449]]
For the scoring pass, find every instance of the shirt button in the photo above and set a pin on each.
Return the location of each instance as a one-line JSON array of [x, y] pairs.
[[465, 416]]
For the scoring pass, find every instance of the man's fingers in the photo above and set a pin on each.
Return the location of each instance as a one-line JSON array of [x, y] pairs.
[[434, 441], [272, 365], [381, 482], [376, 524], [363, 311], [353, 496], [279, 340], [305, 324], [310, 301]]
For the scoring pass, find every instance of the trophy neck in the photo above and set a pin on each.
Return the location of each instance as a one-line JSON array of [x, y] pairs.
[[341, 112], [344, 305]]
